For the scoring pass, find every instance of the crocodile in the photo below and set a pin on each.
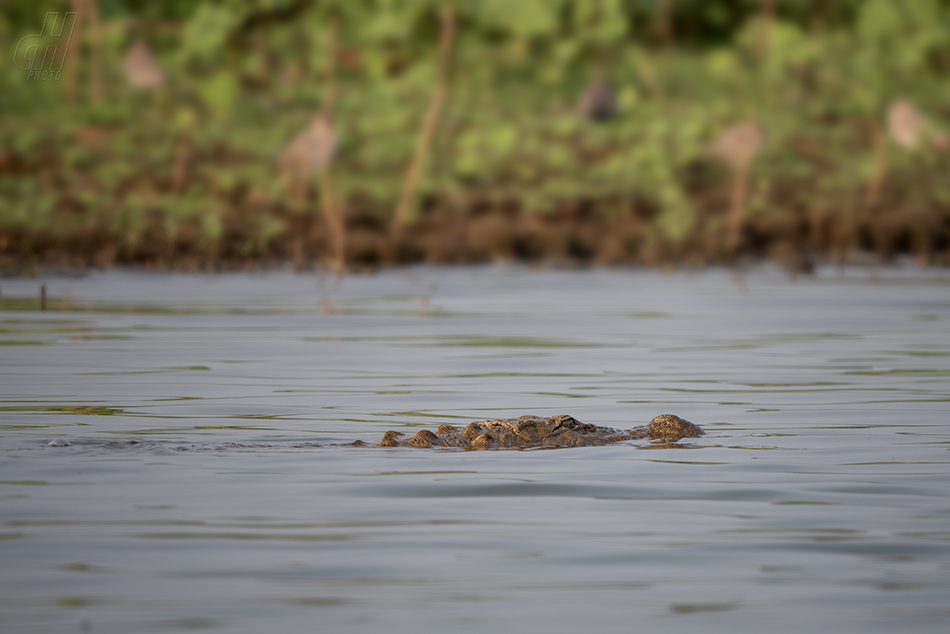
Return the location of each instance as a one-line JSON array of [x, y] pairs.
[[529, 432]]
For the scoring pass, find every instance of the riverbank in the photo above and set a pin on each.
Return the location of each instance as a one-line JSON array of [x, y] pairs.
[[580, 234], [767, 134]]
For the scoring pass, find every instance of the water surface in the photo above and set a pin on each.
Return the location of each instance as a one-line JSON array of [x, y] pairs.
[[208, 482]]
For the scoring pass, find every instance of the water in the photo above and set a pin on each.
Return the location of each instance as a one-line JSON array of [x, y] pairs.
[[209, 483]]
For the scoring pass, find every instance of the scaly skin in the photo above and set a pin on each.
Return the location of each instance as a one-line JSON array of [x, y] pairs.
[[528, 432]]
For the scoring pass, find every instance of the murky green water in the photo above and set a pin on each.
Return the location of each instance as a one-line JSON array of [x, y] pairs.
[[208, 484]]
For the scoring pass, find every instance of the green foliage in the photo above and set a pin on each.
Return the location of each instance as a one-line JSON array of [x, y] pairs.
[[393, 21], [525, 18], [599, 21], [218, 92], [207, 30]]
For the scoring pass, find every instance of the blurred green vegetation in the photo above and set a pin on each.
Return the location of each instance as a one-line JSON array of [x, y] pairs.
[[184, 171]]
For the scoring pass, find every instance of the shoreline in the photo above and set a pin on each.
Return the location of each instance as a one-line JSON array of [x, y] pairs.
[[565, 240]]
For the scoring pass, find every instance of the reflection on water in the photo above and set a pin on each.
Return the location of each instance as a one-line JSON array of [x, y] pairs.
[[208, 482]]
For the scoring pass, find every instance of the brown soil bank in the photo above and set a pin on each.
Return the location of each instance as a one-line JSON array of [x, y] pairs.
[[588, 232]]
